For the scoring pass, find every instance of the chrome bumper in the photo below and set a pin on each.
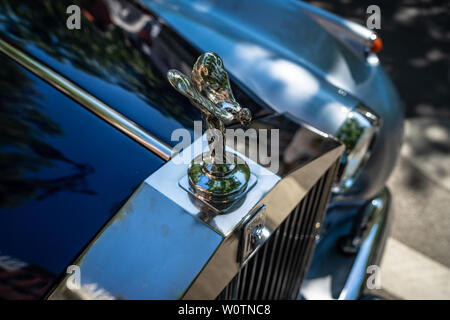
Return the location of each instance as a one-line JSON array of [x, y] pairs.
[[352, 239]]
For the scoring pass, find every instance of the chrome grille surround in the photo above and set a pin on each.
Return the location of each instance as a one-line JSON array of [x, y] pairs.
[[276, 271]]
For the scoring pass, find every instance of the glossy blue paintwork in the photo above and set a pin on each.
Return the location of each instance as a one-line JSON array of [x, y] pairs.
[[64, 173], [126, 69]]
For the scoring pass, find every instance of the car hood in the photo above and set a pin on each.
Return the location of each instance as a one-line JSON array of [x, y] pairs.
[[279, 50], [289, 55]]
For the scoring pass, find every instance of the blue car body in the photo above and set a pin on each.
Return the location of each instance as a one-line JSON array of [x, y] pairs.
[[61, 164]]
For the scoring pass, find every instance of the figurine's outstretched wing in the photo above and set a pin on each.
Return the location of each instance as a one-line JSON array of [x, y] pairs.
[[184, 85], [210, 90]]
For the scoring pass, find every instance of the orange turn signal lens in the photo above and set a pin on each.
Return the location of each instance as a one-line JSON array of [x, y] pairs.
[[88, 15], [377, 45]]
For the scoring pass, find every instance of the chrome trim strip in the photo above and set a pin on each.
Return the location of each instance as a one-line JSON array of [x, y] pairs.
[[357, 133], [88, 101], [377, 210], [354, 36]]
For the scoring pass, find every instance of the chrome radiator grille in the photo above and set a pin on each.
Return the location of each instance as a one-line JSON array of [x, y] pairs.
[[278, 268]]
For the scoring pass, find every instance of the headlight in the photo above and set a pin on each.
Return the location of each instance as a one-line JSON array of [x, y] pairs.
[[358, 134]]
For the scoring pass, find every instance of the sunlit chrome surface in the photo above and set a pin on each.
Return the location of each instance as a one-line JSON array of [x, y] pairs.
[[215, 203], [367, 239], [305, 69], [216, 176], [151, 249], [354, 36], [301, 165], [166, 180], [338, 274], [219, 184], [254, 234], [88, 101], [357, 133], [277, 269], [372, 210], [160, 245], [209, 89], [283, 66]]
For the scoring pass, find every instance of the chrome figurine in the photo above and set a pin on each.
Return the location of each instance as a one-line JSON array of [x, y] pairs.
[[217, 176]]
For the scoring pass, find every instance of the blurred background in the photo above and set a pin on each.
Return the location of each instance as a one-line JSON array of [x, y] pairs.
[[416, 38]]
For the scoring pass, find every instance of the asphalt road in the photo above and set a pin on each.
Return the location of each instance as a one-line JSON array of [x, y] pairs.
[[416, 38]]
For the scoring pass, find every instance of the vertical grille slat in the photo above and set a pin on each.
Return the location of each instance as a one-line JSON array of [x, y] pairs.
[[295, 242], [307, 234], [282, 235], [261, 271], [242, 286], [290, 229], [266, 279], [300, 235], [328, 181], [251, 283], [278, 268]]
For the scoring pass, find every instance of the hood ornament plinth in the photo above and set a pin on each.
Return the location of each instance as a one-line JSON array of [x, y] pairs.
[[217, 177]]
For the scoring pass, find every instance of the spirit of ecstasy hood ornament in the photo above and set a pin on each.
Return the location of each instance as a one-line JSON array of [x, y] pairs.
[[218, 177]]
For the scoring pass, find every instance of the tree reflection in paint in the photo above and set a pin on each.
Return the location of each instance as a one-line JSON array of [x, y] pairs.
[[23, 150], [102, 49]]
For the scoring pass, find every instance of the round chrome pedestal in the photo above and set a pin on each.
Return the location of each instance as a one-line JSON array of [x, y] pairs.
[[218, 183]]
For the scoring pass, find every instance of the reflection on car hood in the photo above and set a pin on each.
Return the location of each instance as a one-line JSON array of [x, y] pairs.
[[281, 53], [122, 59], [64, 174]]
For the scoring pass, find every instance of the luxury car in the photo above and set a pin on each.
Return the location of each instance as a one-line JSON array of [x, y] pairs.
[[95, 202]]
